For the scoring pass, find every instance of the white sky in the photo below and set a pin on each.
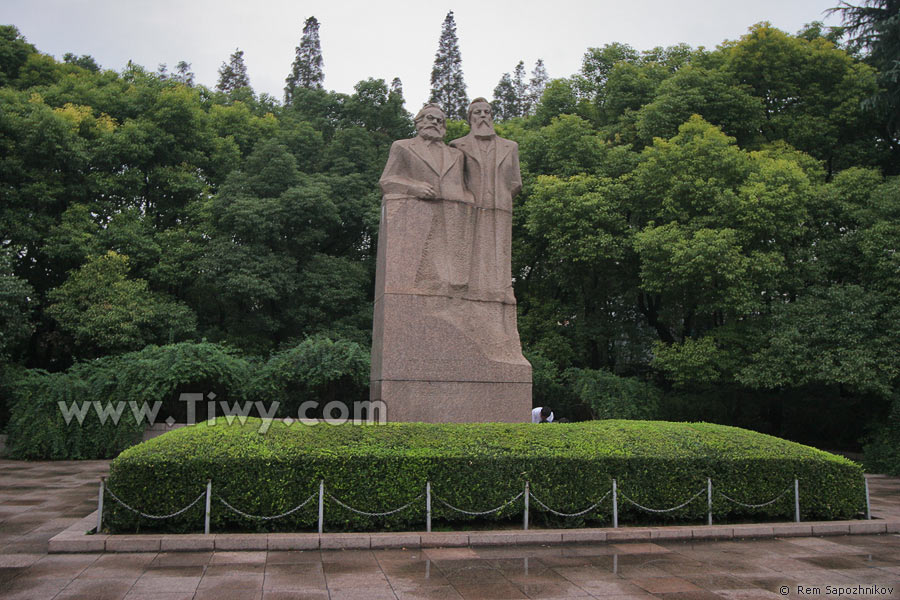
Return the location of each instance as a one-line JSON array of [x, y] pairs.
[[384, 39]]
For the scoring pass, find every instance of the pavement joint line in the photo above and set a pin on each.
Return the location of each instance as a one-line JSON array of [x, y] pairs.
[[76, 539]]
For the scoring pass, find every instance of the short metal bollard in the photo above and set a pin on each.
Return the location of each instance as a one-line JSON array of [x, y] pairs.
[[615, 505], [100, 504], [527, 493], [208, 506], [796, 500], [321, 505], [868, 506], [709, 500], [428, 506]]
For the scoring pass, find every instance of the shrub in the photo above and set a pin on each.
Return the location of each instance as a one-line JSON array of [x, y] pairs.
[[163, 373], [318, 369], [10, 375], [614, 397], [38, 428], [471, 466], [882, 452]]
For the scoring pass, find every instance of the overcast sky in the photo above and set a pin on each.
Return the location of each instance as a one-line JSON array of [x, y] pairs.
[[384, 39]]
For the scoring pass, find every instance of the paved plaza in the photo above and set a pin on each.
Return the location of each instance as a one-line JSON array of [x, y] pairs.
[[39, 500]]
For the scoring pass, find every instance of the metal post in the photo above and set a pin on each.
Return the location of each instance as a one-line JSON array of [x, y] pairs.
[[709, 500], [527, 493], [428, 506], [321, 505], [797, 500], [208, 505], [868, 506], [100, 504], [615, 505]]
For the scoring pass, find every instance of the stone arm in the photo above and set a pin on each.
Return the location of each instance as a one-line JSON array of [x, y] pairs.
[[515, 185], [397, 180]]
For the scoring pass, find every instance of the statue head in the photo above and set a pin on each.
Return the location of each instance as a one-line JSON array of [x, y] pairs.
[[481, 117], [431, 122]]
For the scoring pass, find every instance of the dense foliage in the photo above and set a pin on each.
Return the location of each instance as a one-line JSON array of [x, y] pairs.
[[710, 231], [380, 468], [98, 407]]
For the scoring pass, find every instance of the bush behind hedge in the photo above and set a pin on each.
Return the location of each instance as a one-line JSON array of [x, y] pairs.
[[613, 397], [472, 466], [37, 428]]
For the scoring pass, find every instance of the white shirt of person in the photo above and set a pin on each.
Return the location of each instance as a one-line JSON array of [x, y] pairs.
[[536, 415]]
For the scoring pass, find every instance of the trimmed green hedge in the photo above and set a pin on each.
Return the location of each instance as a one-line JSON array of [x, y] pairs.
[[472, 466]]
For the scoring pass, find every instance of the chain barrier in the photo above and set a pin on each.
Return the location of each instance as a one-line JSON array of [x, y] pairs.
[[378, 514], [262, 518], [134, 510], [477, 514], [578, 514], [772, 501], [663, 510], [594, 506]]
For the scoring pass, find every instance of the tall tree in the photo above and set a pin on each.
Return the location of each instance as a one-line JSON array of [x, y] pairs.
[[14, 52], [85, 61], [512, 96], [307, 68], [448, 89], [505, 102], [874, 27], [183, 73], [397, 86], [521, 87], [537, 83], [233, 75]]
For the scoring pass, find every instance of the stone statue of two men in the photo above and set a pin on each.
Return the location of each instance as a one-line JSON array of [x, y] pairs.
[[445, 344], [476, 177]]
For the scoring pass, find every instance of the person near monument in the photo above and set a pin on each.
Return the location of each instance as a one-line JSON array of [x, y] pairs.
[[542, 414], [492, 175]]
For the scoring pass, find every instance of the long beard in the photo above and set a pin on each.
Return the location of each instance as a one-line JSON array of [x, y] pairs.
[[483, 128]]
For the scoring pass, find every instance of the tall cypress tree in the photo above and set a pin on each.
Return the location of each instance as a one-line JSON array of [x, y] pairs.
[[233, 76], [505, 103], [521, 87], [307, 68], [447, 86], [537, 84]]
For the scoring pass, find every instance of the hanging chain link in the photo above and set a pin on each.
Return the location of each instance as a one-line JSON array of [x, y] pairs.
[[772, 501], [578, 514], [262, 518], [477, 514], [378, 514], [662, 510], [134, 510]]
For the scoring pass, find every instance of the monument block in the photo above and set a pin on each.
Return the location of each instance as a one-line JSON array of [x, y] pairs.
[[445, 343]]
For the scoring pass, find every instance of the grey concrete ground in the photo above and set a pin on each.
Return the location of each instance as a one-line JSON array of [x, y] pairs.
[[38, 500]]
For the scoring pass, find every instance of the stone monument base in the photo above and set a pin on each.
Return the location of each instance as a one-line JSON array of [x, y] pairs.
[[437, 359], [454, 401]]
